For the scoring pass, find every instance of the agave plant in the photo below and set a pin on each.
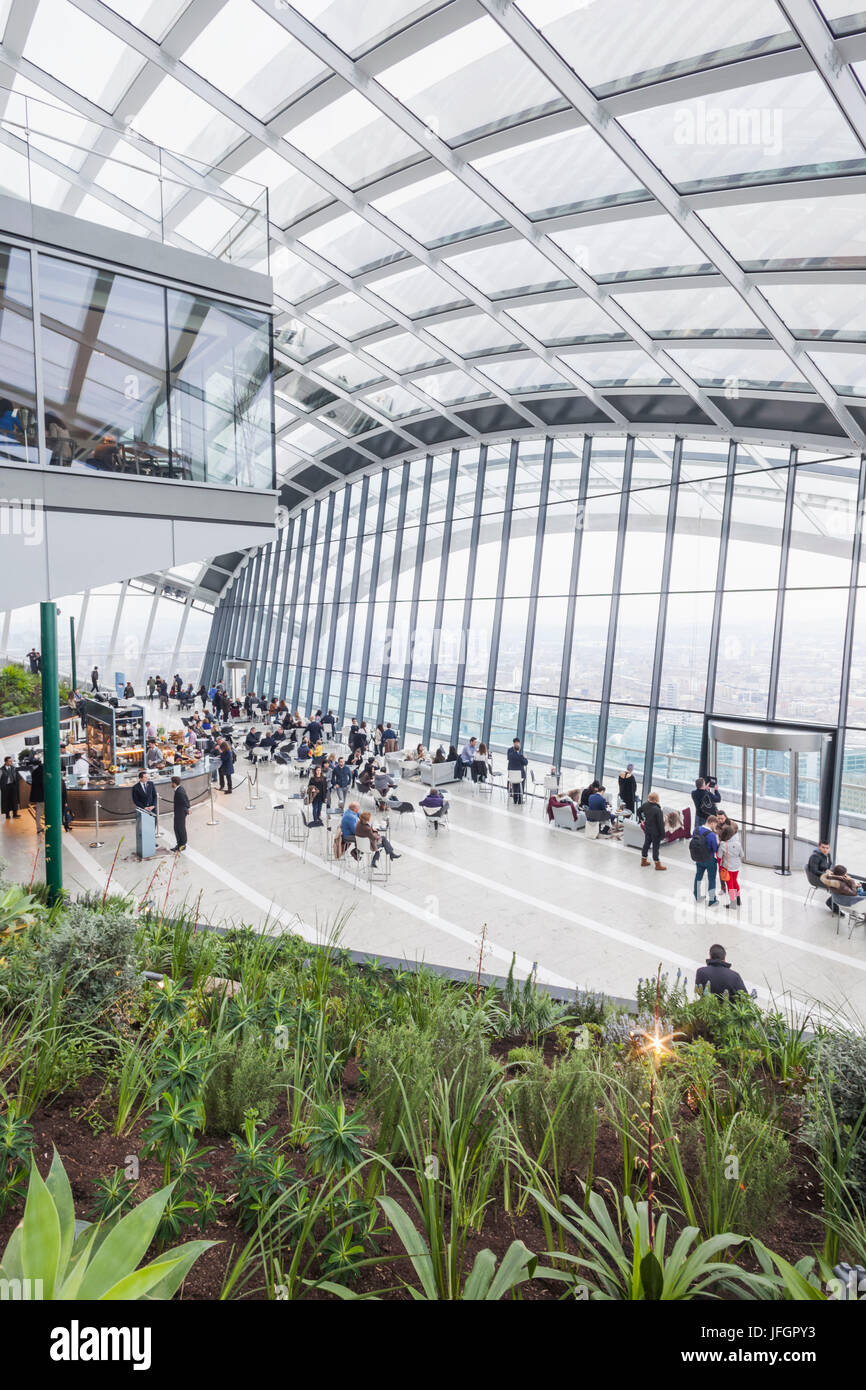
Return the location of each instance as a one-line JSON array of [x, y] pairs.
[[636, 1267], [63, 1260], [18, 909]]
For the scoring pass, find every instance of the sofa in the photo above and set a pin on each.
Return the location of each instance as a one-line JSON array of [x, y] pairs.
[[437, 774], [562, 816], [633, 832]]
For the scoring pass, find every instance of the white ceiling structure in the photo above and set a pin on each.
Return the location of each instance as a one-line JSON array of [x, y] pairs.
[[487, 217]]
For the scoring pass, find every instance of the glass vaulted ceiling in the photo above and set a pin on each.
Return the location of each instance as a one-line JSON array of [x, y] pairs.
[[493, 215]]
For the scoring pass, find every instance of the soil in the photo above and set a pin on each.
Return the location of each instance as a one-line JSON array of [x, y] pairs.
[[89, 1150]]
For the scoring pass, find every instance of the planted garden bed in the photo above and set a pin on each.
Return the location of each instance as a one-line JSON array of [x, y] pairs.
[[310, 1120]]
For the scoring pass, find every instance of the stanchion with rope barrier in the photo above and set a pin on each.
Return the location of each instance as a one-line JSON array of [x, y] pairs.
[[96, 843]]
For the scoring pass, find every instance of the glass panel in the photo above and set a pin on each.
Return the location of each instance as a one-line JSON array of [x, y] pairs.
[[807, 689], [353, 141], [745, 650], [641, 245], [512, 267], [438, 210], [737, 367], [104, 369], [356, 27], [755, 539], [562, 320], [692, 312], [686, 651], [349, 315], [748, 134], [220, 390], [822, 527], [635, 646], [417, 291], [474, 333], [613, 44], [572, 169], [18, 441], [249, 56], [581, 739], [79, 52], [794, 233], [626, 743], [471, 80]]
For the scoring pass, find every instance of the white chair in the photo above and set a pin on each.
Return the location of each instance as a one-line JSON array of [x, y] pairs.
[[364, 863], [853, 909], [435, 819], [515, 780]]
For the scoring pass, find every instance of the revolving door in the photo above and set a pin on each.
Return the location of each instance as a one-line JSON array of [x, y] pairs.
[[776, 781]]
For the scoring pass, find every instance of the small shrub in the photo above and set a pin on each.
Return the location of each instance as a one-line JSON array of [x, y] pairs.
[[95, 949], [837, 1102], [554, 1106], [246, 1076]]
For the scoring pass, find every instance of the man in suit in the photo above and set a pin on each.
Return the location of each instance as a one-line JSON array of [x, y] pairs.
[[517, 762], [9, 789], [181, 811], [94, 678], [144, 794]]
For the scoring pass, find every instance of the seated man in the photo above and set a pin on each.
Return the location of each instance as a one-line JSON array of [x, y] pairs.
[[348, 825], [598, 809], [383, 781], [718, 975]]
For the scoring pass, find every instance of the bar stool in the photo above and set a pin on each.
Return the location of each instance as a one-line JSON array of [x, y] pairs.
[[278, 820], [515, 779]]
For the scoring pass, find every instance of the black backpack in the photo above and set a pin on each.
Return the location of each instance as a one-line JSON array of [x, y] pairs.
[[698, 848]]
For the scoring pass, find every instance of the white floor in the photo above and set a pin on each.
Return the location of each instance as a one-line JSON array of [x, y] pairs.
[[584, 910]]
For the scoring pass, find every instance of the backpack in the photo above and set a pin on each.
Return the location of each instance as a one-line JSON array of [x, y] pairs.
[[698, 848]]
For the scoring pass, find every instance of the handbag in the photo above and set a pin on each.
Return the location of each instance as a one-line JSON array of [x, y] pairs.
[[724, 871]]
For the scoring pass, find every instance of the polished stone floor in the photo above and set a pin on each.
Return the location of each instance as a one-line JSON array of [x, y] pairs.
[[582, 910]]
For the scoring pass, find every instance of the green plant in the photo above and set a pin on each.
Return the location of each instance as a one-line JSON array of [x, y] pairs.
[[334, 1141], [620, 1262], [101, 1263], [18, 911], [529, 1010], [245, 1075], [92, 950], [554, 1107], [112, 1195], [836, 1122], [483, 1282], [172, 1129], [16, 1146]]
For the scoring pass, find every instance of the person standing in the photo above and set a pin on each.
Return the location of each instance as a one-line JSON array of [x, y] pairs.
[[33, 658], [730, 860], [628, 788], [317, 790], [706, 797], [654, 828], [227, 765], [37, 794], [9, 800], [163, 693], [94, 678], [151, 687], [703, 848], [517, 762], [341, 780], [144, 794], [181, 811]]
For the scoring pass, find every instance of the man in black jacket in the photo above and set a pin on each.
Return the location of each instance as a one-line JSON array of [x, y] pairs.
[[9, 789], [706, 797], [181, 811], [820, 860], [517, 762], [718, 975], [654, 828]]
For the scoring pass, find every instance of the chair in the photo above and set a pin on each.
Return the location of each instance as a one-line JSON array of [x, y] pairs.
[[436, 818], [404, 809], [814, 884], [515, 779], [565, 819], [365, 865], [846, 905], [551, 788]]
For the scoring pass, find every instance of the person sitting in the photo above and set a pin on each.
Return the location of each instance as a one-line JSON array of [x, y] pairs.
[[252, 741], [841, 884], [466, 759], [365, 830], [435, 806], [366, 776], [348, 825], [439, 755], [598, 810], [587, 793], [383, 781], [482, 767], [718, 976], [304, 752], [819, 860]]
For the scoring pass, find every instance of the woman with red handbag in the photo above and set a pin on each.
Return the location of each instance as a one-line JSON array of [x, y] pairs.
[[730, 860]]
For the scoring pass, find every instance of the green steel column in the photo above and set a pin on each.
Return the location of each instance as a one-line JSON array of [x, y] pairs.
[[72, 651], [51, 753]]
